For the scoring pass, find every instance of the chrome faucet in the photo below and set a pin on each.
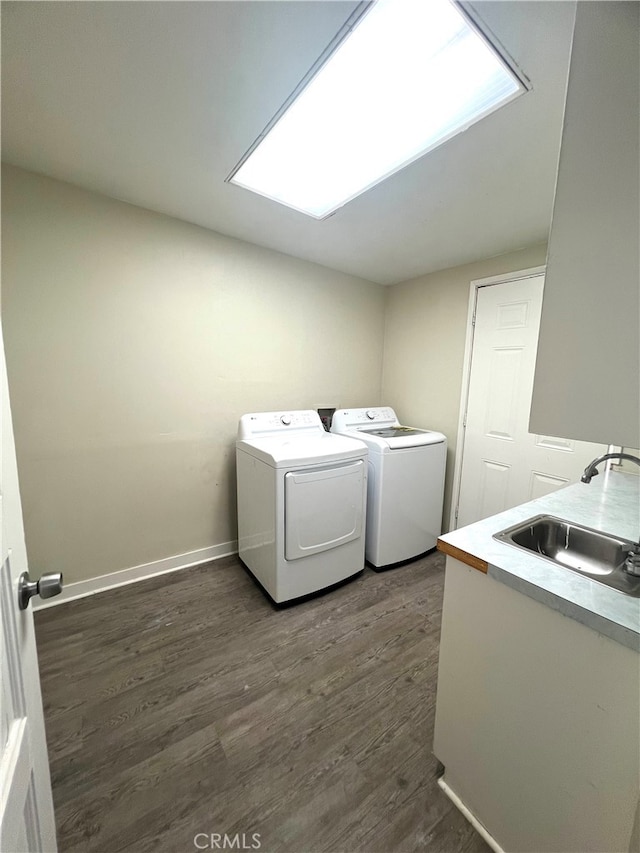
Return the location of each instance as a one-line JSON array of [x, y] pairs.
[[632, 563], [592, 468]]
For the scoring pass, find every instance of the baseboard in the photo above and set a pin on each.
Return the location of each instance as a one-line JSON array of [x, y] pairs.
[[473, 820], [92, 586]]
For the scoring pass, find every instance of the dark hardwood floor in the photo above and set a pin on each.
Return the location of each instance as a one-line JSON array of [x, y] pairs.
[[188, 704]]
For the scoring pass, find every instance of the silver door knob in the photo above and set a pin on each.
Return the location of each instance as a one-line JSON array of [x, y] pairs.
[[48, 586]]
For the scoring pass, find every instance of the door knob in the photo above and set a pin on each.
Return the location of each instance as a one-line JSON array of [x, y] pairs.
[[48, 586]]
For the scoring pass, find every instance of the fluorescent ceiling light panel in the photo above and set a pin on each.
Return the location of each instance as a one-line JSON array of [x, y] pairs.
[[410, 75]]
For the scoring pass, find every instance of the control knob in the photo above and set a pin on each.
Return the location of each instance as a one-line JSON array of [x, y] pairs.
[[285, 419], [371, 414]]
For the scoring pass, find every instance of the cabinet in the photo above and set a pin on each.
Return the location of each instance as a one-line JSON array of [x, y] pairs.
[[587, 378], [536, 721]]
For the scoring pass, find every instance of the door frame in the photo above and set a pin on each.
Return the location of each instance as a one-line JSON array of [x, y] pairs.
[[474, 287]]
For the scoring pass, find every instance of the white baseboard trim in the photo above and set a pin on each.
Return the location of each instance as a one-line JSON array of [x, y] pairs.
[[473, 820], [92, 586]]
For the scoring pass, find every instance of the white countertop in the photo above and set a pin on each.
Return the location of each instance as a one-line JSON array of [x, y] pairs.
[[610, 504]]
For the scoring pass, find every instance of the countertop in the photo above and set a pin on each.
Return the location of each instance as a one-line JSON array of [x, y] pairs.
[[610, 504]]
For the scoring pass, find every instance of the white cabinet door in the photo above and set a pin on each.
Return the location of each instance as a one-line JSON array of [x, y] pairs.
[[26, 807], [503, 464], [587, 372], [536, 721]]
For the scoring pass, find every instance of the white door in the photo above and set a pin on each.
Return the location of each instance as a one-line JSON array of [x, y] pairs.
[[504, 465], [26, 806]]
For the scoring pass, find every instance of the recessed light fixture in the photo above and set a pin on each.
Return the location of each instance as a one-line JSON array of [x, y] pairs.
[[408, 75]]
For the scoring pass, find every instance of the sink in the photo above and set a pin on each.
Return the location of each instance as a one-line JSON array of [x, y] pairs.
[[587, 552]]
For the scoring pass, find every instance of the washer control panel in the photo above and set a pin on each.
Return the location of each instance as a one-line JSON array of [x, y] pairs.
[[356, 418], [264, 424]]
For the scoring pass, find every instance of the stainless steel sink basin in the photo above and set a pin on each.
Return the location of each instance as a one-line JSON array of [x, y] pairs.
[[587, 552]]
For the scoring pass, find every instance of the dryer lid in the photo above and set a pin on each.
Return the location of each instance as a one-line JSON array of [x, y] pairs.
[[298, 450]]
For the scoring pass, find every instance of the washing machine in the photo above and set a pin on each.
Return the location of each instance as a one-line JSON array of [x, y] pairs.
[[301, 503], [405, 485]]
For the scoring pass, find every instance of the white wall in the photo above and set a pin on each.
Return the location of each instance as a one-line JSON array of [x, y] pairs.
[[134, 342]]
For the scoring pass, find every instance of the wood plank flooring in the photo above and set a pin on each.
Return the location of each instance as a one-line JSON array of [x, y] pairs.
[[189, 704]]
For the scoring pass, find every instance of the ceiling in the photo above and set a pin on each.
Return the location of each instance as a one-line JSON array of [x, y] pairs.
[[155, 102]]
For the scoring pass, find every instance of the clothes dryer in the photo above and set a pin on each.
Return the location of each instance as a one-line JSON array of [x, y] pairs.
[[301, 503], [406, 483]]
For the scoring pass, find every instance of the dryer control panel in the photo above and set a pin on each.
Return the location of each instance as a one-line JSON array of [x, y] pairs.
[[262, 424]]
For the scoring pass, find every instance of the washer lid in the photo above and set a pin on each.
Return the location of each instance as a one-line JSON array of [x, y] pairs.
[[294, 450], [386, 439], [394, 431]]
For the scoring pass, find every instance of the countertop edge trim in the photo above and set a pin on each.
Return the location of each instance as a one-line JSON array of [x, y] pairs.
[[463, 556]]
